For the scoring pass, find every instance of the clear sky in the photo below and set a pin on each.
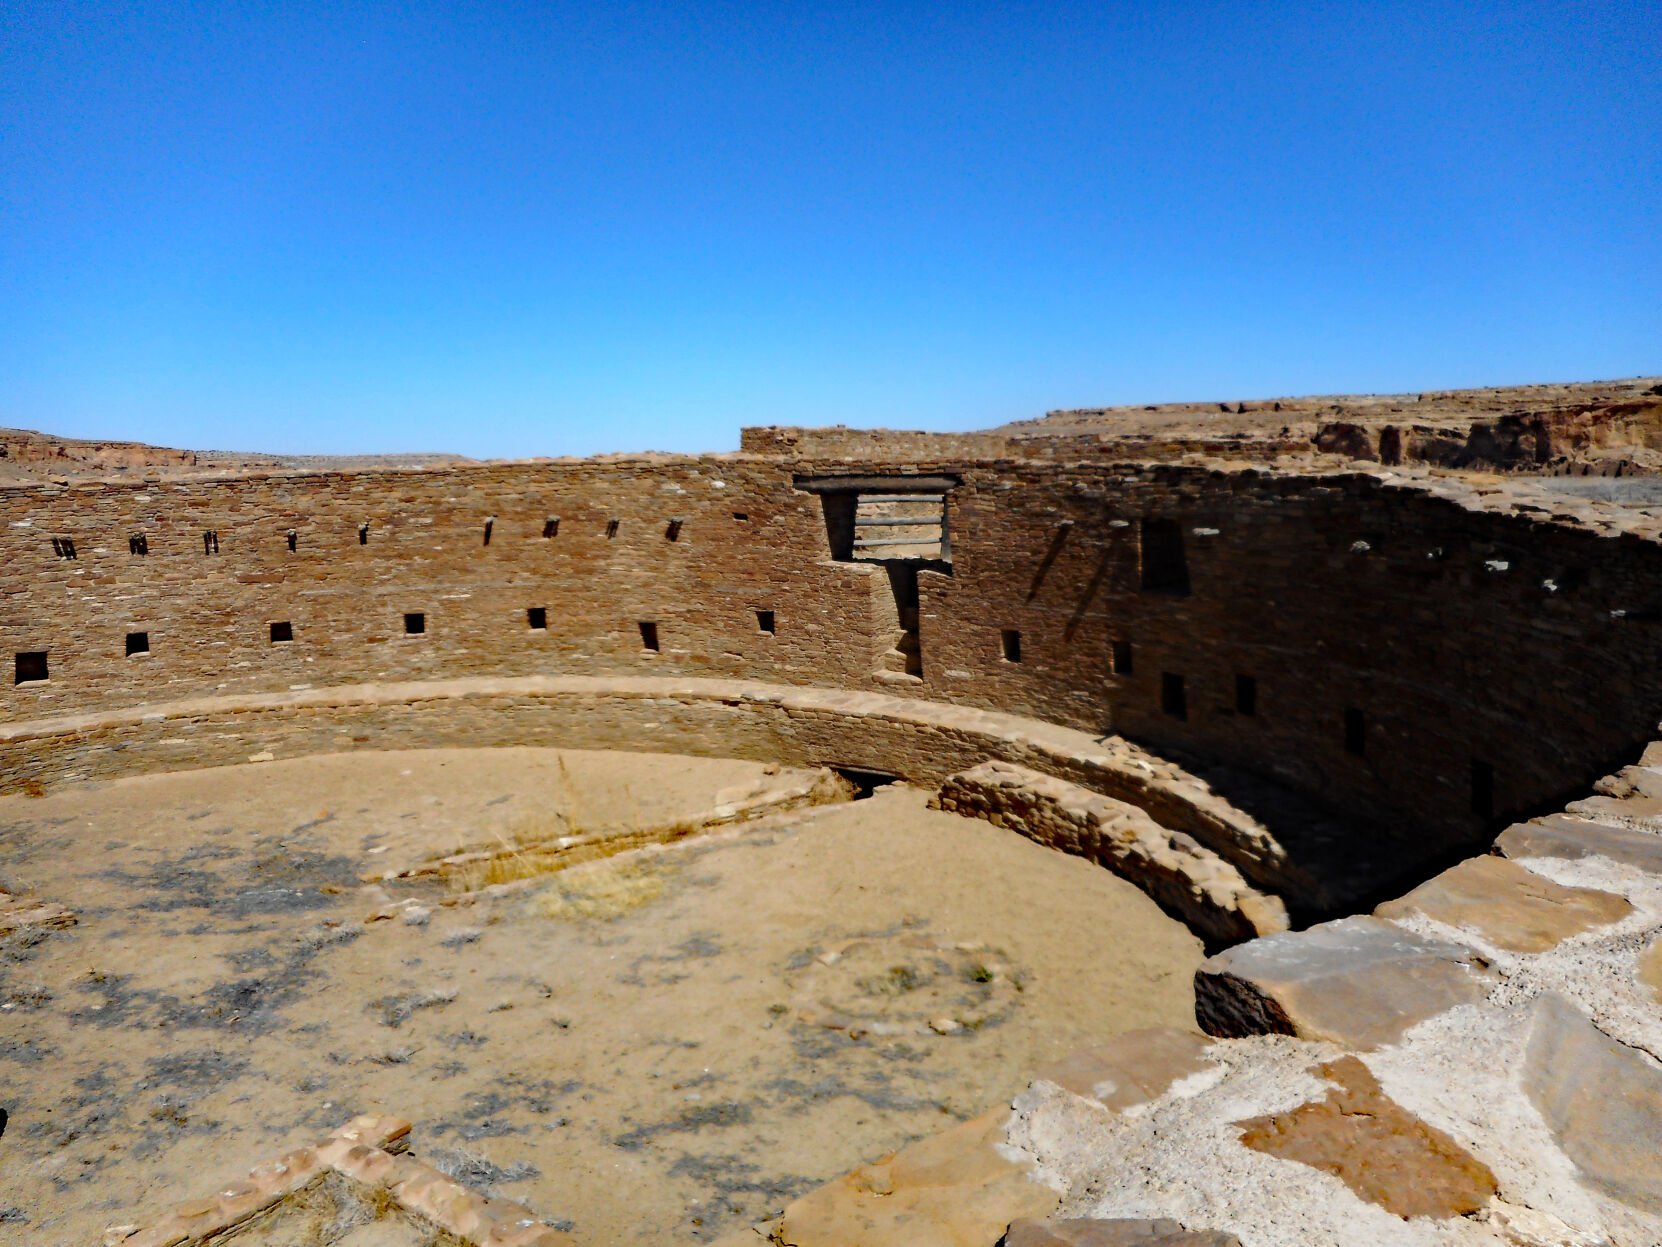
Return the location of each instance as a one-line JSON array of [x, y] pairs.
[[548, 228]]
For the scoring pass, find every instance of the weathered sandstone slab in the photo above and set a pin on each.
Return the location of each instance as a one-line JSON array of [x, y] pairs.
[[1132, 1068], [953, 1189], [1601, 1100], [1377, 1148], [1183, 877], [1650, 968], [1359, 982], [1513, 908], [1564, 835], [1091, 1232]]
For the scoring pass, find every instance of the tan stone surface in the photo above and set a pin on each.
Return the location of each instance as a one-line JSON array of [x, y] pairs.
[[1359, 982], [1132, 1068], [950, 1190], [1512, 907], [1567, 836], [1601, 1099], [1091, 1232], [1377, 1148]]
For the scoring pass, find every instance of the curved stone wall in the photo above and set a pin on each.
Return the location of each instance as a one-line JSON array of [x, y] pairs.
[[1428, 668]]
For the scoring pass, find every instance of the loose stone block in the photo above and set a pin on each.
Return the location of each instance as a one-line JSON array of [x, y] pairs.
[[1091, 1232], [1513, 908], [1377, 1148], [1359, 982], [1563, 835], [1601, 1100]]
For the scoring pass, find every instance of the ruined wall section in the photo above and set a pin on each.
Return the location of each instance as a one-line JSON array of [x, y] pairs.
[[207, 616], [1406, 657], [1380, 649]]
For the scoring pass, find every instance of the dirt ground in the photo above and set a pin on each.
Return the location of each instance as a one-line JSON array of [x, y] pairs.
[[659, 1046]]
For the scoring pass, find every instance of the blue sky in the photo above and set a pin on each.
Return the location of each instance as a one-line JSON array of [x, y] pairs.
[[564, 228]]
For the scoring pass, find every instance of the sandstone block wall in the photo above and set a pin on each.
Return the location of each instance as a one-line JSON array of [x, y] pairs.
[[1434, 667]]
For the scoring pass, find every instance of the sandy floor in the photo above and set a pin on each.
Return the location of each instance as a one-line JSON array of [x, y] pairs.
[[659, 1046]]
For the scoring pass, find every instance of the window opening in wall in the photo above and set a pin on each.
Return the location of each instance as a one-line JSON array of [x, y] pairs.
[[1246, 695], [672, 531], [1010, 640], [415, 623], [363, 533], [138, 643], [1165, 565], [611, 529], [1356, 731], [31, 667], [1121, 655], [210, 541], [536, 617], [1174, 698], [282, 631], [649, 635], [741, 516], [1483, 789], [63, 547], [551, 526], [138, 543], [294, 540], [490, 523], [764, 621]]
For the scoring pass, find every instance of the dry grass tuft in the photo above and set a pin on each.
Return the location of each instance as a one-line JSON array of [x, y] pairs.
[[604, 890]]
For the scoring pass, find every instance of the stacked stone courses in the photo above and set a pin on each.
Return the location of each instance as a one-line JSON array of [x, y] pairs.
[[1460, 638]]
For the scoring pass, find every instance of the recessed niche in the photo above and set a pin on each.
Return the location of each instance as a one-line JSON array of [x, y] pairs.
[[1010, 644], [415, 623], [536, 618], [649, 635], [1121, 655], [1246, 695], [31, 667], [764, 622], [1356, 731], [282, 632], [138, 643], [1174, 698]]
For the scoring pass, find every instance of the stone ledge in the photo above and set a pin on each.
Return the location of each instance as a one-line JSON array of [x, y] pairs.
[[1185, 879]]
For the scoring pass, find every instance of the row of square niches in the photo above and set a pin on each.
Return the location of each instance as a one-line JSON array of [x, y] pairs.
[[33, 666], [139, 543]]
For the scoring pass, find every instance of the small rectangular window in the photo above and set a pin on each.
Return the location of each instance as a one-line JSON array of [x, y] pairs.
[[1165, 567], [741, 516], [490, 525], [138, 643], [1010, 640], [764, 621], [138, 543], [551, 526], [611, 529], [649, 635], [63, 547], [415, 623], [1483, 789], [1174, 698], [536, 617], [1356, 732], [31, 667], [294, 540], [210, 541], [363, 533], [1246, 695], [1122, 657], [672, 531], [282, 632]]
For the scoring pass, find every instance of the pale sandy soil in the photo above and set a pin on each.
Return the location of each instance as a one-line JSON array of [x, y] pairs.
[[637, 1048]]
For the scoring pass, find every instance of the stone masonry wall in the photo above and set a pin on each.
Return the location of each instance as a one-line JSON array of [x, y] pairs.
[[1473, 651]]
